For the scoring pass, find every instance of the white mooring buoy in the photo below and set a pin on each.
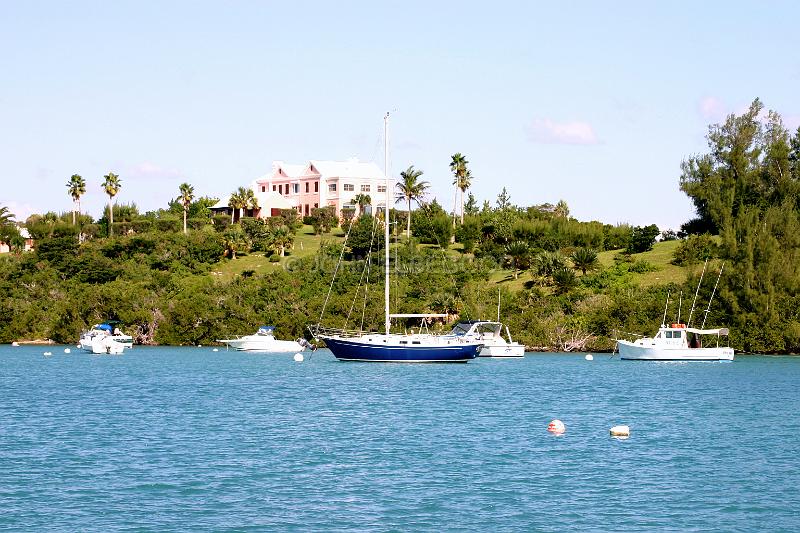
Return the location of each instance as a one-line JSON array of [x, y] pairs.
[[298, 357], [67, 350], [620, 431], [215, 350], [589, 357], [556, 426], [47, 354], [15, 344]]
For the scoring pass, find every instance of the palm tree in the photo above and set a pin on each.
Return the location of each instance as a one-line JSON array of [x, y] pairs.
[[519, 253], [584, 259], [409, 189], [235, 240], [76, 187], [112, 186], [186, 197], [362, 199], [458, 165], [282, 238], [6, 216]]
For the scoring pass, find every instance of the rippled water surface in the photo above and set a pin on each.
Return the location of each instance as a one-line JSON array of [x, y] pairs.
[[187, 439]]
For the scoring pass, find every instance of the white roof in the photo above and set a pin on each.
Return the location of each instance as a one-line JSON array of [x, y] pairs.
[[273, 200], [291, 170]]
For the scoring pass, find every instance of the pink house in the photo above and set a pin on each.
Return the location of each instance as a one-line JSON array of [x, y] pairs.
[[321, 184]]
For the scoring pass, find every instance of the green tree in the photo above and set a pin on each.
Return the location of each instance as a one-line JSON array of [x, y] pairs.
[[281, 238], [323, 219], [186, 197], [409, 189], [642, 239], [503, 200], [518, 253], [471, 207], [585, 260], [565, 280], [76, 187], [235, 240], [111, 186]]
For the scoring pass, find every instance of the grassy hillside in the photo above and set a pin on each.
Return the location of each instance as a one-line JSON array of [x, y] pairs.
[[306, 244]]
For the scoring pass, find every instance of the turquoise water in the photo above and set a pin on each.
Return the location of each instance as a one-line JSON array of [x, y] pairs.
[[186, 439]]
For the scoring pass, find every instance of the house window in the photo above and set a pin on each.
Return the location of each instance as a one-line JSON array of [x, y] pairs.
[[280, 189], [306, 204], [273, 187], [306, 188], [316, 186], [296, 188], [365, 188], [316, 206], [349, 187], [332, 187], [263, 188], [381, 188]]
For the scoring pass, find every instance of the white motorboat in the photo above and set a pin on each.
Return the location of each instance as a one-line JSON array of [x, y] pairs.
[[99, 341], [111, 329], [676, 342], [490, 334], [264, 341], [679, 341]]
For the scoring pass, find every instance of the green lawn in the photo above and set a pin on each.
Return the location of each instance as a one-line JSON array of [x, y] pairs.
[[306, 243]]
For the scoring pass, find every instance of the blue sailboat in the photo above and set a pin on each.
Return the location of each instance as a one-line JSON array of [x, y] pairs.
[[391, 347]]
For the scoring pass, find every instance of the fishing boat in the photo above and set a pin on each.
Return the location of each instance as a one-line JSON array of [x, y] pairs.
[[678, 341], [491, 334], [358, 345], [264, 340]]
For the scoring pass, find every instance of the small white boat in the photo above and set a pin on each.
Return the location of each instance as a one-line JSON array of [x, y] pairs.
[[114, 332], [264, 341], [490, 334], [676, 342], [98, 341]]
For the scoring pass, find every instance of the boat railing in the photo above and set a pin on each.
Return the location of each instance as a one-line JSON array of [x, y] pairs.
[[318, 330], [618, 332]]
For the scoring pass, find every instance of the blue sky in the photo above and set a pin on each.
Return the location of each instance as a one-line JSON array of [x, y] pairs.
[[596, 104]]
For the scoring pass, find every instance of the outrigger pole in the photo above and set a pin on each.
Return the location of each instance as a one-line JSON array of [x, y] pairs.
[[689, 323], [664, 320], [708, 309]]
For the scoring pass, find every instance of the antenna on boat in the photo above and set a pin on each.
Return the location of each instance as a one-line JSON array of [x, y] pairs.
[[705, 316], [664, 320], [386, 219], [680, 302], [691, 312], [498, 304]]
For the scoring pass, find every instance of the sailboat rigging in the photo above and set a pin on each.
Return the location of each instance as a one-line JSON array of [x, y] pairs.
[[388, 347]]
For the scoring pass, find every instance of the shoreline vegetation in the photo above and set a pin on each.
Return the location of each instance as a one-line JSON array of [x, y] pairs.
[[184, 276]]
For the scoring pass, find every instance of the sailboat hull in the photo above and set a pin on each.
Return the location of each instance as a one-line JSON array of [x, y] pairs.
[[350, 350]]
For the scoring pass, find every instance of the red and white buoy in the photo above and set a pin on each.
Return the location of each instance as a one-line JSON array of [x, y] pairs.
[[556, 426]]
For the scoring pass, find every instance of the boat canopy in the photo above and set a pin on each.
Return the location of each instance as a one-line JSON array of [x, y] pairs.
[[104, 327], [266, 328], [718, 331]]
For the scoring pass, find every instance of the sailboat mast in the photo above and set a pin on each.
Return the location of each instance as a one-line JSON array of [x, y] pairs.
[[386, 217]]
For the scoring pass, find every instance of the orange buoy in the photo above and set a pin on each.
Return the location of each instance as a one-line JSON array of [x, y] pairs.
[[556, 426]]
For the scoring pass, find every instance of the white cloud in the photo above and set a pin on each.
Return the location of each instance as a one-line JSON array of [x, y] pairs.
[[712, 108], [544, 130]]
